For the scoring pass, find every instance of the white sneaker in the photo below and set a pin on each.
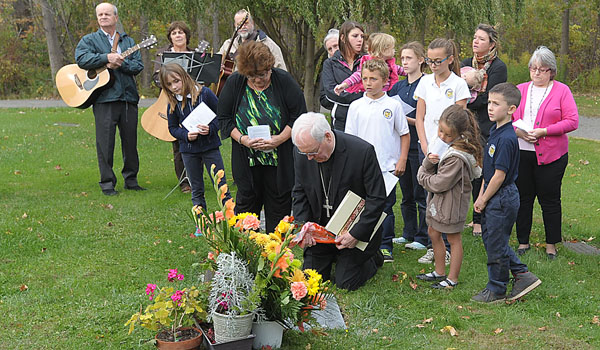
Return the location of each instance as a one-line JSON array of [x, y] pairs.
[[415, 246], [400, 240], [427, 258]]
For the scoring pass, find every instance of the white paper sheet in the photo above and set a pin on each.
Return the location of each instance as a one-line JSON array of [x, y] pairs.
[[390, 181], [521, 125], [259, 132], [406, 108], [438, 147], [202, 115]]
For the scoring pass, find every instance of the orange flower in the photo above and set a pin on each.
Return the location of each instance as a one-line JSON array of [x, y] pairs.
[[223, 190], [283, 263], [219, 175], [229, 206], [211, 256]]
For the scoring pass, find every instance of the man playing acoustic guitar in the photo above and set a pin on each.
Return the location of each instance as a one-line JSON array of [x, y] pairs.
[[117, 105], [248, 32]]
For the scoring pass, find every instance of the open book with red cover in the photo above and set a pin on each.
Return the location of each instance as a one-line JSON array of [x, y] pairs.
[[348, 214]]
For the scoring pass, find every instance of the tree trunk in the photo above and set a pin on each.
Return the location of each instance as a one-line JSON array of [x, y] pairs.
[[309, 70], [54, 52], [146, 75], [216, 38], [564, 44]]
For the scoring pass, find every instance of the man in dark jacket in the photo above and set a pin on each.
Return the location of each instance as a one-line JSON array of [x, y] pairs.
[[116, 106], [328, 164]]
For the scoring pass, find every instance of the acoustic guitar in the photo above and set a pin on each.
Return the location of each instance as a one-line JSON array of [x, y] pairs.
[[154, 119], [228, 63], [80, 87]]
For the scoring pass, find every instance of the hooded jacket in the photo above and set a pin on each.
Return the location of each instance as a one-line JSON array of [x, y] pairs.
[[449, 189]]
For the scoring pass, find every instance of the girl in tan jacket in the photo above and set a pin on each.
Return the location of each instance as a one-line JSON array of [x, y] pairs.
[[447, 178]]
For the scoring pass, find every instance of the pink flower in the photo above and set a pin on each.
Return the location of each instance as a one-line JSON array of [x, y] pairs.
[[150, 288], [299, 290], [180, 276], [172, 275], [211, 256], [251, 222], [218, 217], [177, 295]]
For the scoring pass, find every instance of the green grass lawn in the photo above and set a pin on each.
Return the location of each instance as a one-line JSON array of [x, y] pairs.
[[588, 105], [74, 263]]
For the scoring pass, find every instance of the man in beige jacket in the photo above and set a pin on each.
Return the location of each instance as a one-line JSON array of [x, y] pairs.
[[248, 32]]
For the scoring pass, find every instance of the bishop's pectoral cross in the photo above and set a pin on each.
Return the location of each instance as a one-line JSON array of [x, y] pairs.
[[327, 207]]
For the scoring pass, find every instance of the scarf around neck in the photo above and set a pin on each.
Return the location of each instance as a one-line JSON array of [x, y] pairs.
[[484, 62]]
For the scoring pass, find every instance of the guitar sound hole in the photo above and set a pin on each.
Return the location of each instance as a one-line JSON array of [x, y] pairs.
[[91, 74]]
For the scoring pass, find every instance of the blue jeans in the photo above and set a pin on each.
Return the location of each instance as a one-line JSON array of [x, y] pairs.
[[413, 202], [389, 222], [497, 220], [193, 165]]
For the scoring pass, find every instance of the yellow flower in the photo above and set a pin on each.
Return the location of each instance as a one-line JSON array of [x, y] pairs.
[[275, 237], [283, 227], [261, 239], [271, 246], [314, 281], [298, 276]]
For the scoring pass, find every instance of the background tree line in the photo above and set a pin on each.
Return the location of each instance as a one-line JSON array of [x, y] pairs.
[[37, 37]]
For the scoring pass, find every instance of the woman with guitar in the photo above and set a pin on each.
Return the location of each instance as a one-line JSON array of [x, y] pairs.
[[259, 96], [178, 35]]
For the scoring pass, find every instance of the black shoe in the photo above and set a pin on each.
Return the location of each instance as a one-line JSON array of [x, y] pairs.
[[551, 256], [430, 277], [110, 192], [135, 188], [522, 251]]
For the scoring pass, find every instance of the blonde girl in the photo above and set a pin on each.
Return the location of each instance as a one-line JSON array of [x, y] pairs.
[[447, 179], [382, 46], [199, 146]]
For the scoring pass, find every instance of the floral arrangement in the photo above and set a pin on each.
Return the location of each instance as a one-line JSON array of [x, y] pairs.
[[172, 308], [287, 293]]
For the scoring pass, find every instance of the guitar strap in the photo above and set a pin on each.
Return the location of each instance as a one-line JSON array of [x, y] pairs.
[[115, 43]]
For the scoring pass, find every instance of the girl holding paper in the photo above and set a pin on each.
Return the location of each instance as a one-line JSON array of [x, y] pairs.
[[199, 146]]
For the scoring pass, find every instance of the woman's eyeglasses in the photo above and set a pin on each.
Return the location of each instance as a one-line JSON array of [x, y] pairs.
[[431, 62], [537, 69]]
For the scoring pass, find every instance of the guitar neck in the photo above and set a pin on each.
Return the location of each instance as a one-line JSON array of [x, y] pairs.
[[130, 50]]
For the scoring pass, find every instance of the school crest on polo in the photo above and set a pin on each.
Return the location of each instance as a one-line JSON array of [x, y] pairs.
[[387, 113], [449, 93], [492, 150]]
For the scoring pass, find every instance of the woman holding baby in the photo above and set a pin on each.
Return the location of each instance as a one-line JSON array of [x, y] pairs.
[[485, 57]]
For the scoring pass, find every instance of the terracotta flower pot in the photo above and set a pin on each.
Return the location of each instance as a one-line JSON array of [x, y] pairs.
[[188, 344]]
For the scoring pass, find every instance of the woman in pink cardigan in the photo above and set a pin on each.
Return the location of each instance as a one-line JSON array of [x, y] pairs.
[[547, 112]]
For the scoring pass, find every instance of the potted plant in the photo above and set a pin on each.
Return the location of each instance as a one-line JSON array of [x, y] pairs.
[[233, 299], [172, 313]]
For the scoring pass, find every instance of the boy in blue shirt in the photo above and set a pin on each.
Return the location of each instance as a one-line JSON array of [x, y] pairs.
[[498, 200]]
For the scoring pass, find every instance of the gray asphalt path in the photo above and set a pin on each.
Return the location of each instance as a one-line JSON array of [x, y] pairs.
[[589, 128]]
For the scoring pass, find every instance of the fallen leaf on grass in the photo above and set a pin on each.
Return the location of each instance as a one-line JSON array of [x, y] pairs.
[[23, 287], [413, 284], [17, 172], [110, 224], [596, 320], [543, 329], [465, 317], [395, 278], [584, 162], [43, 250], [24, 216], [375, 330], [571, 263], [57, 167], [449, 329], [107, 206], [307, 347], [498, 330], [590, 239], [460, 307], [420, 325], [422, 271], [558, 314], [428, 320], [317, 332], [169, 241]]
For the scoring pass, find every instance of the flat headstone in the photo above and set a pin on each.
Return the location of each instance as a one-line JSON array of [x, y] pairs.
[[330, 318], [582, 248]]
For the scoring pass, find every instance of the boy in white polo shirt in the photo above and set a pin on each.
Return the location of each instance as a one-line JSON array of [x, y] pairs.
[[380, 120]]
